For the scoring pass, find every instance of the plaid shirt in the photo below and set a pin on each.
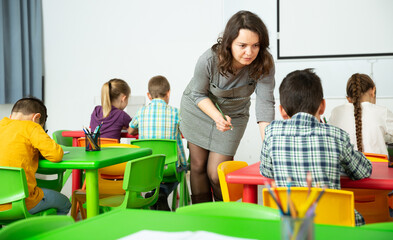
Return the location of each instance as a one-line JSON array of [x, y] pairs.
[[158, 120], [302, 144]]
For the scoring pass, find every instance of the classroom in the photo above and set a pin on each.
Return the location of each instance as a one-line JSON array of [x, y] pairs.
[[88, 42]]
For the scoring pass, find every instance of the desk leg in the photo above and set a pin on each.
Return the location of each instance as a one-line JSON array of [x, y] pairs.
[[92, 192], [74, 141], [250, 193], [76, 173], [76, 179]]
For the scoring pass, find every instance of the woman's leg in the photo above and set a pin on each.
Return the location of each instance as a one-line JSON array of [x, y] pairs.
[[200, 183], [52, 199], [214, 160]]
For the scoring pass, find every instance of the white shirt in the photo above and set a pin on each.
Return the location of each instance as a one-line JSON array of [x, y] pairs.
[[377, 125]]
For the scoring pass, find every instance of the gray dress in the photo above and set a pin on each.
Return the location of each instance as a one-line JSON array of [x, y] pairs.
[[232, 94]]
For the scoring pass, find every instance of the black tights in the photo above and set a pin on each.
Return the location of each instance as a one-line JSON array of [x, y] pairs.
[[203, 174]]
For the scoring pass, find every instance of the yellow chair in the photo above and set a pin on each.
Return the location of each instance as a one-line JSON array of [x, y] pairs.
[[230, 192], [336, 207], [374, 157]]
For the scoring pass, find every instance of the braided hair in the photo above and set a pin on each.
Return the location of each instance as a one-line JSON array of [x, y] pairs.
[[358, 84]]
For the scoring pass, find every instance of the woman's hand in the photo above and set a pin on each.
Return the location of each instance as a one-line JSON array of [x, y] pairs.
[[207, 106], [222, 124]]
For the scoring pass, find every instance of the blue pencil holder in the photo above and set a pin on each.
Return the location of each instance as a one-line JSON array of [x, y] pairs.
[[297, 228]]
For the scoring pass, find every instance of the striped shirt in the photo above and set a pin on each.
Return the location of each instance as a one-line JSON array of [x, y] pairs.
[[302, 144], [158, 120]]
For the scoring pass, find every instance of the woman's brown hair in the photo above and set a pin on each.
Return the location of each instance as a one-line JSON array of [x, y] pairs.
[[110, 91], [358, 84], [244, 20]]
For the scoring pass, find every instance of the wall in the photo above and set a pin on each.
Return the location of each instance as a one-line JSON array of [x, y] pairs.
[[91, 41]]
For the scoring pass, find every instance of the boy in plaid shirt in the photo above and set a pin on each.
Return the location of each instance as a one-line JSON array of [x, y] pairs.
[[158, 120], [301, 143]]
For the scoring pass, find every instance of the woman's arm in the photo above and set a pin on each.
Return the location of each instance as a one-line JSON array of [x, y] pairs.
[[207, 106], [264, 106]]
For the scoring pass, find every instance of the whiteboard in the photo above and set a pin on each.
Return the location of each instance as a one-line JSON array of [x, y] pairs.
[[334, 28]]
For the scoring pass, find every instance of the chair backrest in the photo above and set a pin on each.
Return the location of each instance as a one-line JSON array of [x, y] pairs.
[[142, 175], [59, 139], [31, 227], [54, 184], [231, 209], [374, 157], [336, 207], [162, 146], [14, 193], [82, 140], [110, 179], [230, 191], [58, 182]]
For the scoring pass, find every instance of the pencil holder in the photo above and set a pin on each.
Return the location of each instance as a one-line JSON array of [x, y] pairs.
[[297, 228], [93, 142]]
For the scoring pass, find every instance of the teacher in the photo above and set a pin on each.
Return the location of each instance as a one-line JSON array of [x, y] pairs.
[[225, 77]]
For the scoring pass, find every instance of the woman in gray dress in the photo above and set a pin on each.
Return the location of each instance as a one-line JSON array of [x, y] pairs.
[[225, 77]]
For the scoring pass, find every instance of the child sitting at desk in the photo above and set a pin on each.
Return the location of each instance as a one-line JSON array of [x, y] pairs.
[[114, 99], [22, 140], [369, 126], [158, 120], [301, 143]]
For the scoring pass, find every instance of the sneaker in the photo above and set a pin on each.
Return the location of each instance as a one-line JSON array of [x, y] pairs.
[[149, 194], [162, 203]]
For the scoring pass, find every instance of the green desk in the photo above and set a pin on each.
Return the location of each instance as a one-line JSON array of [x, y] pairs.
[[120, 223], [78, 158]]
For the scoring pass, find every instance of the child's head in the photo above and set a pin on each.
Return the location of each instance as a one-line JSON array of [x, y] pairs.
[[159, 87], [360, 88], [115, 93], [244, 20], [29, 108], [301, 91]]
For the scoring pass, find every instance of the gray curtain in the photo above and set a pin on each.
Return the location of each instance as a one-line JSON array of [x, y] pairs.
[[21, 54]]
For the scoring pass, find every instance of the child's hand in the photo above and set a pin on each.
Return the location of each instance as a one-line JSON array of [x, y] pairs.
[[224, 125]]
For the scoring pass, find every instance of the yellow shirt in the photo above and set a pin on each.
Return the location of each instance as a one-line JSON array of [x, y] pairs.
[[20, 144]]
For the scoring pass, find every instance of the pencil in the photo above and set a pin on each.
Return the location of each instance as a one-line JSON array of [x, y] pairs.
[[219, 109]]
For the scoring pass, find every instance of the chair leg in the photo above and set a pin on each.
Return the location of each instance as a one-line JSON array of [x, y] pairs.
[[187, 199], [78, 199], [174, 199], [73, 208]]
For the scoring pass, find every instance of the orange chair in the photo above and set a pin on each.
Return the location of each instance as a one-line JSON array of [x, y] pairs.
[[82, 140], [336, 207], [373, 204], [230, 192]]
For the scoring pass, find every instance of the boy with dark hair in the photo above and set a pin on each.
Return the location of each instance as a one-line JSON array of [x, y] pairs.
[[158, 120], [22, 140], [301, 143]]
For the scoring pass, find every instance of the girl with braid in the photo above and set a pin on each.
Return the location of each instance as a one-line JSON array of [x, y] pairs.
[[370, 126]]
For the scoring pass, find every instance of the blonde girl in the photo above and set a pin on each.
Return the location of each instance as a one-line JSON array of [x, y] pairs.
[[114, 99]]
